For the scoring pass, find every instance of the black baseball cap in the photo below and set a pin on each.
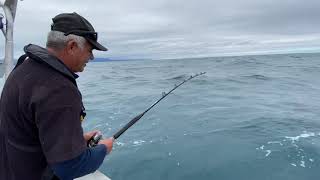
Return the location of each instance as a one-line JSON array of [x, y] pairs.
[[73, 23]]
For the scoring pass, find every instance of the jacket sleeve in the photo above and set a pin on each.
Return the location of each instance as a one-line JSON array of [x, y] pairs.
[[57, 116], [86, 163]]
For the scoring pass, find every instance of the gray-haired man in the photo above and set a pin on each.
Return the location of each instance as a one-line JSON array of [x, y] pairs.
[[41, 107]]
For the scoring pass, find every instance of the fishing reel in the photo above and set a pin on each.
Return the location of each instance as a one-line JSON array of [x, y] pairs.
[[94, 140]]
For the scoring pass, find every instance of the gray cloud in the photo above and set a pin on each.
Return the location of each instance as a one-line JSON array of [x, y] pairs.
[[179, 28]]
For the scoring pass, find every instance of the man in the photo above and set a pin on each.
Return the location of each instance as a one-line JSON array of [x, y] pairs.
[[41, 108]]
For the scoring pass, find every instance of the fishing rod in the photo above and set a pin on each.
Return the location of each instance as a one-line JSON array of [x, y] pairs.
[[135, 119], [93, 141]]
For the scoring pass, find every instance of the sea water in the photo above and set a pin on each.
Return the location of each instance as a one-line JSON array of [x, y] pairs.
[[247, 118]]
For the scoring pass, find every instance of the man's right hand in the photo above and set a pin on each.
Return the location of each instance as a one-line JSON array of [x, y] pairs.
[[108, 143]]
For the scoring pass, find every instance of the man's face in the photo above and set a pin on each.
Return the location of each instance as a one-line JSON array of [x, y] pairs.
[[82, 57]]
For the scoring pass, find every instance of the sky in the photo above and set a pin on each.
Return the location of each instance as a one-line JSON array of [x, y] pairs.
[[167, 29]]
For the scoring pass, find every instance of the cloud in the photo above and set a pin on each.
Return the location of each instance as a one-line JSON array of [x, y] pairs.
[[179, 28]]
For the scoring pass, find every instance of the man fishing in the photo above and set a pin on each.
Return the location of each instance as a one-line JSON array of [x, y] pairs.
[[41, 108]]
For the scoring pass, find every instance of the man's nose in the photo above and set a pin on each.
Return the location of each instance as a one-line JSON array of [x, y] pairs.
[[91, 56]]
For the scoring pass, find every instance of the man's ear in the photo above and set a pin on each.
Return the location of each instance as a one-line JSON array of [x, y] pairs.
[[71, 46]]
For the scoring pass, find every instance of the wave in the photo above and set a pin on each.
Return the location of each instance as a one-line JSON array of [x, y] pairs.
[[295, 57], [246, 62], [295, 148], [180, 77], [128, 78], [236, 81], [105, 77], [258, 76]]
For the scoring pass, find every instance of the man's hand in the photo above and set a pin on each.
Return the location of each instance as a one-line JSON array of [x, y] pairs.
[[88, 135], [108, 143]]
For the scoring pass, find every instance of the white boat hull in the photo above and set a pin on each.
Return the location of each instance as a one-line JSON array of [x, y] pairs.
[[94, 176]]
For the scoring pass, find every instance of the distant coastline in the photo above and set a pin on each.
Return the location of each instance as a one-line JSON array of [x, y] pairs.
[[294, 55], [99, 59], [108, 59]]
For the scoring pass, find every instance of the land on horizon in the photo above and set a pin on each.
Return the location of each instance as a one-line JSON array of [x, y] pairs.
[[100, 59]]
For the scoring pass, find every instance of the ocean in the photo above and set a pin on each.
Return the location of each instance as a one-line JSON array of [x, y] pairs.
[[247, 118]]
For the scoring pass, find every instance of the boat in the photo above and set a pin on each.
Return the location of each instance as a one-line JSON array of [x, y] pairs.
[[9, 8], [94, 176]]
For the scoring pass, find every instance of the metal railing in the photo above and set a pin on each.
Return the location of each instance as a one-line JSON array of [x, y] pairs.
[[9, 8]]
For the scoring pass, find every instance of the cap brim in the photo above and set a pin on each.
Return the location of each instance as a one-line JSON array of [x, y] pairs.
[[97, 45]]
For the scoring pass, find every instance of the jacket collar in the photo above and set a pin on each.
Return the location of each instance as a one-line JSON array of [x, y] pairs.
[[42, 55]]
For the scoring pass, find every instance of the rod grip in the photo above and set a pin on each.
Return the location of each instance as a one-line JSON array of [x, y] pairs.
[[127, 126]]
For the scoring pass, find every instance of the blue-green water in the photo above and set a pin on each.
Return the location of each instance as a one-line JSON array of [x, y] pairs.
[[248, 118]]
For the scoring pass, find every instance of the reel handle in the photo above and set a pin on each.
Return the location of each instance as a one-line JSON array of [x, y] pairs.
[[94, 140]]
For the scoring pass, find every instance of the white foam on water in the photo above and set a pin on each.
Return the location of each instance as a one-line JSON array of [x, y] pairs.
[[268, 153], [261, 147], [138, 143], [119, 143], [275, 142], [304, 135], [97, 126], [117, 112], [298, 155]]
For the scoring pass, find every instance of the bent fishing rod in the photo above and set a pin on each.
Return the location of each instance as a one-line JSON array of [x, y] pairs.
[[138, 117], [93, 141]]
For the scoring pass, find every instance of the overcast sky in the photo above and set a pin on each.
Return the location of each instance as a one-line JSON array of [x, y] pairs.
[[159, 29]]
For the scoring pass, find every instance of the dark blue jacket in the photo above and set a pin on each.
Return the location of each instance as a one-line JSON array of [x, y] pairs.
[[40, 110]]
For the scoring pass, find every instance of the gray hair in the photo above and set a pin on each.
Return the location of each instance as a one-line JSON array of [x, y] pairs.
[[57, 40]]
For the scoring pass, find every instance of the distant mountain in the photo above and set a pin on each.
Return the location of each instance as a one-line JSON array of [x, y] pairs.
[[108, 59], [101, 59]]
